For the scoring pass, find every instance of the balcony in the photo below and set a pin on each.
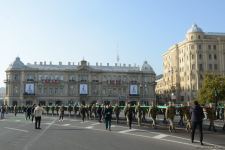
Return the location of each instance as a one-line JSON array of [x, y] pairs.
[[72, 80], [30, 80], [50, 81], [28, 94], [6, 81]]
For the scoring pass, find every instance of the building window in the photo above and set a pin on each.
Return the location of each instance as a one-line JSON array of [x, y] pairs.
[[192, 46], [192, 56], [210, 56], [61, 91], [215, 57], [16, 77], [199, 46], [201, 77], [50, 90], [45, 90], [16, 90], [200, 67], [215, 67], [209, 47], [199, 37], [200, 56], [210, 66], [214, 47], [193, 66]]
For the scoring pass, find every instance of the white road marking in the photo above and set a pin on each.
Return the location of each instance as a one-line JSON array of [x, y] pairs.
[[17, 129], [48, 123], [144, 136], [85, 122], [95, 124], [160, 136], [72, 120], [89, 127], [65, 125], [33, 140], [17, 120], [126, 131], [149, 137], [113, 126]]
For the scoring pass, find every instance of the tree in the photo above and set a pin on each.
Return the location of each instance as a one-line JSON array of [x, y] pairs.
[[213, 89]]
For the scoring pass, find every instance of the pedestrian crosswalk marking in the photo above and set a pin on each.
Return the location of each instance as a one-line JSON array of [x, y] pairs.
[[48, 123], [72, 120], [65, 125], [89, 127], [160, 136], [18, 120], [125, 131], [15, 129], [95, 124]]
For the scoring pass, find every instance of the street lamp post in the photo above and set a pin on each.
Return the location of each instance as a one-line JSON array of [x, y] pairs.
[[216, 92], [173, 95]]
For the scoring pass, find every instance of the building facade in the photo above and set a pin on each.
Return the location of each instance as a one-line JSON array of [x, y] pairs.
[[83, 83], [185, 63], [2, 95]]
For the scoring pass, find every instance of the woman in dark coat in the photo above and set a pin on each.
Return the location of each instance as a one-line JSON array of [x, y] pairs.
[[196, 119]]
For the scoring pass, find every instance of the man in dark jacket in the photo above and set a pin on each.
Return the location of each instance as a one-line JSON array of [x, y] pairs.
[[129, 114], [196, 118], [99, 112], [108, 117], [82, 112]]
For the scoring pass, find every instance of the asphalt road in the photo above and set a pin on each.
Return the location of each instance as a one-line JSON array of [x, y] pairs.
[[16, 133]]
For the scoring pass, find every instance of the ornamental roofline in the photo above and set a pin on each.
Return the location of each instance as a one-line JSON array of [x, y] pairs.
[[118, 67]]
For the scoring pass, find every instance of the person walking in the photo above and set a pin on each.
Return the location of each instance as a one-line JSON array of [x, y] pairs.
[[187, 117], [129, 114], [93, 111], [28, 112], [116, 110], [197, 116], [82, 112], [3, 110], [224, 117], [125, 111], [170, 114], [153, 111], [138, 111], [181, 114], [108, 117], [211, 114], [15, 110], [38, 113], [32, 112], [99, 112], [25, 111], [61, 113]]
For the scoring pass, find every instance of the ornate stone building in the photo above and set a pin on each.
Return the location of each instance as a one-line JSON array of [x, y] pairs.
[[69, 84], [185, 63]]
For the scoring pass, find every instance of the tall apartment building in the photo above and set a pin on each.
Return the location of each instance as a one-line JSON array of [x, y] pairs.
[[185, 63], [69, 84]]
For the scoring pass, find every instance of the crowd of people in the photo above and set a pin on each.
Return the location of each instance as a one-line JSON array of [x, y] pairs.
[[189, 117]]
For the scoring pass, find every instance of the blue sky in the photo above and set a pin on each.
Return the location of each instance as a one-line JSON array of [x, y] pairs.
[[70, 30]]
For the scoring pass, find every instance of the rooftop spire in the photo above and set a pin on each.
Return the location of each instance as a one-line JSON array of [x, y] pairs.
[[117, 55]]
